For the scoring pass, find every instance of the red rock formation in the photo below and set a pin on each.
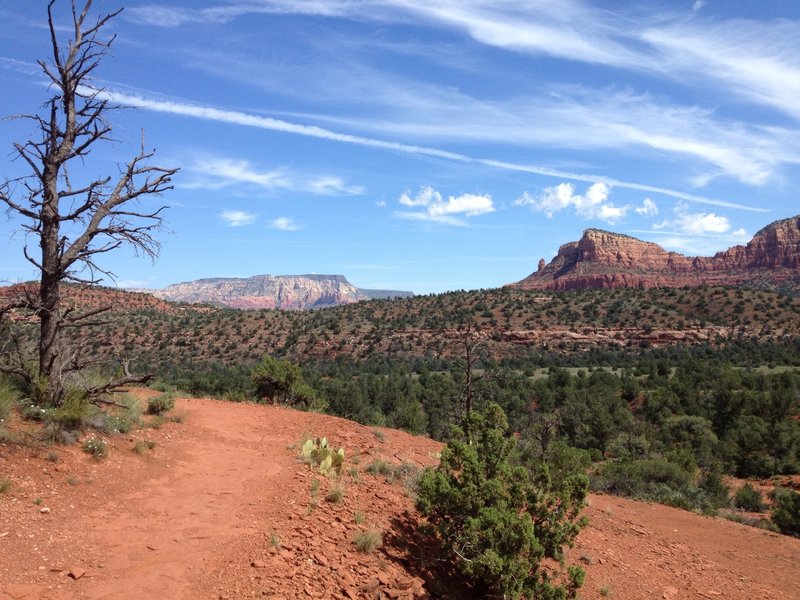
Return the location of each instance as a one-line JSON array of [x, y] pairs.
[[602, 259]]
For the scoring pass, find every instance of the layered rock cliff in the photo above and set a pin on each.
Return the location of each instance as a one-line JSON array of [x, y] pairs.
[[602, 259], [290, 292]]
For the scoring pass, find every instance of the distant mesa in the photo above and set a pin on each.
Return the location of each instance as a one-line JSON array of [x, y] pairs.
[[602, 259], [288, 292]]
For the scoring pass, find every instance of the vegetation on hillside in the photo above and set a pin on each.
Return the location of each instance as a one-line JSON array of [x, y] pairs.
[[657, 393]]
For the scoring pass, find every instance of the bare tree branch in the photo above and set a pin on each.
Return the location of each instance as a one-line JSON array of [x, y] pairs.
[[99, 216]]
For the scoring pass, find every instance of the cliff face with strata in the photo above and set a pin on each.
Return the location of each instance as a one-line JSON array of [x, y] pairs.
[[602, 259], [289, 292]]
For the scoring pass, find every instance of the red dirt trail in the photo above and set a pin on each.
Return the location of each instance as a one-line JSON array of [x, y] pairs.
[[222, 508]]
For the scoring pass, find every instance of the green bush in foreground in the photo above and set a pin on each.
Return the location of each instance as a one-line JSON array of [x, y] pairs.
[[496, 521]]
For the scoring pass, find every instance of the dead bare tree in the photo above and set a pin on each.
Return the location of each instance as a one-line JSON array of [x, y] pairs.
[[471, 343], [75, 224]]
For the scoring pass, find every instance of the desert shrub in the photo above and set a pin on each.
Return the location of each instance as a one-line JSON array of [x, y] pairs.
[[671, 482], [496, 522], [748, 498], [9, 396], [336, 494], [282, 381], [161, 386], [786, 511], [717, 494], [628, 445], [96, 447], [367, 541], [62, 423], [379, 467], [407, 473], [275, 540], [141, 447], [5, 485], [159, 405], [124, 420], [646, 479]]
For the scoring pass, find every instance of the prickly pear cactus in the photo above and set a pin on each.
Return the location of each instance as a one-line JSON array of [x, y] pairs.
[[321, 456]]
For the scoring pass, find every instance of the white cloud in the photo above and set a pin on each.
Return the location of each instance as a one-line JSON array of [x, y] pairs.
[[756, 60], [248, 120], [426, 196], [695, 245], [470, 205], [163, 16], [224, 172], [648, 208], [219, 173], [593, 204], [333, 186], [689, 223], [284, 224], [237, 218], [439, 210]]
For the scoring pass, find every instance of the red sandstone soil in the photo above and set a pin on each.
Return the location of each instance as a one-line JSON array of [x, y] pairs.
[[200, 516]]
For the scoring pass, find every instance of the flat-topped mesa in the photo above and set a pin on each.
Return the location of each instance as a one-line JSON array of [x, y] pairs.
[[603, 259], [291, 292]]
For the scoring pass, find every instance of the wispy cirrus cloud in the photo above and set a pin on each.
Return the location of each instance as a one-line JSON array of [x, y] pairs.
[[438, 210], [158, 15], [759, 61], [237, 218], [270, 124], [586, 119], [710, 144], [218, 173], [333, 186]]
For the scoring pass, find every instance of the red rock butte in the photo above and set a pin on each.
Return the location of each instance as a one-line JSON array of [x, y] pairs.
[[602, 259]]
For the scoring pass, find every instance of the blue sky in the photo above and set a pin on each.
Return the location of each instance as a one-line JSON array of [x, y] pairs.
[[432, 145]]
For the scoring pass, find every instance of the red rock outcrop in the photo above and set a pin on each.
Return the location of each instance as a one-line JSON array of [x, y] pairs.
[[602, 259]]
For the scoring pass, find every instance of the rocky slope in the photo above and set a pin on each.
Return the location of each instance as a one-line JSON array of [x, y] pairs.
[[602, 259], [92, 297], [291, 292]]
